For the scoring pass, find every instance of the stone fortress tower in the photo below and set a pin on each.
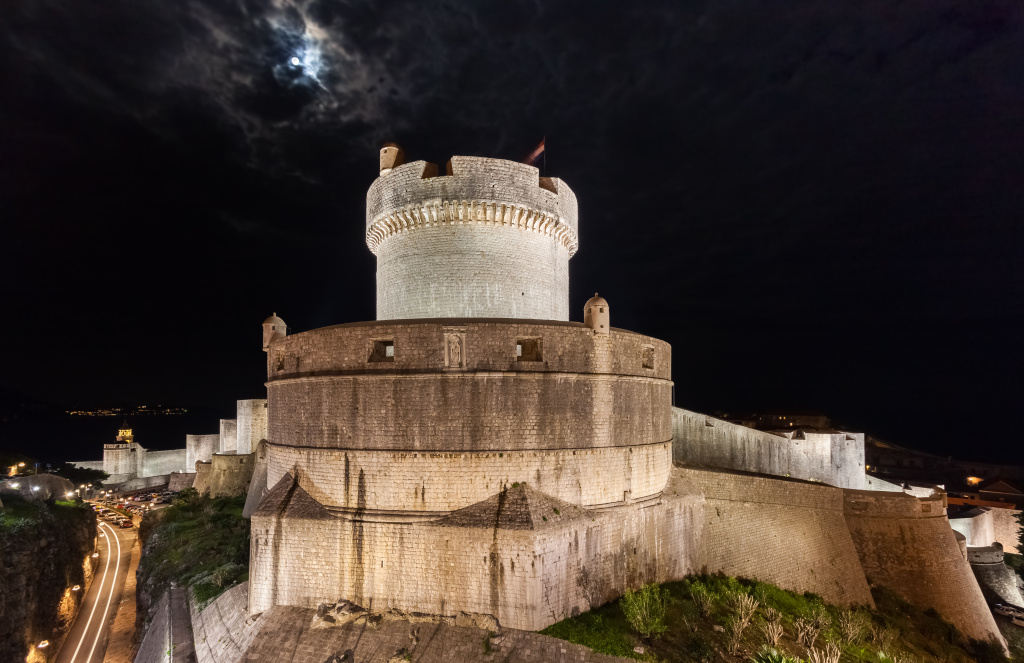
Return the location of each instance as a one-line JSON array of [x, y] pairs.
[[472, 450]]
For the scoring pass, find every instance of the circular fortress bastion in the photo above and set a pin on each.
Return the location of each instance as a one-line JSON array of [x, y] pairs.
[[416, 418], [488, 239]]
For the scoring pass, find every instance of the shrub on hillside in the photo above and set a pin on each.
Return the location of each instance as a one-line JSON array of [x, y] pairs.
[[645, 609]]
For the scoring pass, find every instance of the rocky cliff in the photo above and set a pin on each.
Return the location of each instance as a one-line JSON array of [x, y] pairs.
[[44, 552]]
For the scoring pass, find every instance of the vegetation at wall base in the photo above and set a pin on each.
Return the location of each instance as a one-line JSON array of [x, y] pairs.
[[197, 542], [898, 630]]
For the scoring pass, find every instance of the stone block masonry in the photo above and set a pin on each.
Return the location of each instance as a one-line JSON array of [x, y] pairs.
[[835, 458], [525, 558], [786, 532], [251, 416], [906, 544]]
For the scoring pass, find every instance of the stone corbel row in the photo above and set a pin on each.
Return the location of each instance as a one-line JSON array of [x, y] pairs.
[[461, 212]]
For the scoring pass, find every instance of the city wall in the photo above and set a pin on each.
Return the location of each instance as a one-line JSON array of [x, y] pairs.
[[998, 582], [228, 436], [225, 475], [833, 458], [156, 463], [179, 481], [1007, 530], [199, 447], [976, 525], [906, 544], [251, 416], [786, 532]]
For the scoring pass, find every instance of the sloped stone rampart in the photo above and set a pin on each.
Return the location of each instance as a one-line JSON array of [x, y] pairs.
[[568, 560], [906, 544], [223, 631], [787, 532], [1007, 530], [226, 475]]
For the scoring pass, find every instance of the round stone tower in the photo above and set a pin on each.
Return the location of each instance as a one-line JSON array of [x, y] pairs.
[[489, 239]]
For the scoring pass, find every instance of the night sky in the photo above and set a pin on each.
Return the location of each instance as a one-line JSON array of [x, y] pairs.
[[818, 204]]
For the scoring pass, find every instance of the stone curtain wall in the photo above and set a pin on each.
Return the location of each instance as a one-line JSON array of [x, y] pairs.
[[1007, 530], [976, 525], [156, 643], [156, 463], [830, 458], [786, 532], [526, 578], [228, 436], [200, 447], [590, 390], [252, 424], [180, 481], [119, 460], [487, 240], [906, 544], [438, 482]]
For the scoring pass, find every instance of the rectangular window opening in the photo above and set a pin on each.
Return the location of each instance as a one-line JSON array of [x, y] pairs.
[[383, 351], [528, 349], [648, 357]]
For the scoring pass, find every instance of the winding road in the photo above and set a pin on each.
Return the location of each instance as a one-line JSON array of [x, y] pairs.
[[87, 640]]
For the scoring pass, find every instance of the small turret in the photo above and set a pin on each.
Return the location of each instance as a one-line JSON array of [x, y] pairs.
[[273, 327], [391, 157], [595, 314]]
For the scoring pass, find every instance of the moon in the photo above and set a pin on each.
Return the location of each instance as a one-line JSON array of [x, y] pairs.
[[296, 62]]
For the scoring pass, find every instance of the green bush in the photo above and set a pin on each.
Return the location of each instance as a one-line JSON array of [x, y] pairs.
[[645, 609]]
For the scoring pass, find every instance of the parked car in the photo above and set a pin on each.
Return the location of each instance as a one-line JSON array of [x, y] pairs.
[[1004, 610], [1018, 620], [125, 524]]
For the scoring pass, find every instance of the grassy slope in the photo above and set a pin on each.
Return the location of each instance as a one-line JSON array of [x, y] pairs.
[[922, 635], [201, 543]]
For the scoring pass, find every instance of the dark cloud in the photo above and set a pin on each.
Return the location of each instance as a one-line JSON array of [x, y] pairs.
[[818, 204]]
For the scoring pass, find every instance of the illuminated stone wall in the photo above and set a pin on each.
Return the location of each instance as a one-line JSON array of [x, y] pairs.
[[833, 458], [787, 532], [228, 436], [906, 544], [252, 424], [200, 447]]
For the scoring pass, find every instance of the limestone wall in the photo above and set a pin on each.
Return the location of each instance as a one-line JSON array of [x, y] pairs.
[[438, 482], [786, 532], [832, 458], [158, 463], [180, 481], [568, 559], [156, 642], [590, 390], [89, 464], [1007, 529], [119, 459], [226, 475], [489, 239], [228, 436], [252, 424], [200, 447], [976, 525], [222, 630], [138, 483], [906, 544]]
